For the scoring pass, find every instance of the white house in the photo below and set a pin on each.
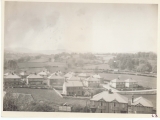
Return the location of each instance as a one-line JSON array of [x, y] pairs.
[[130, 83]]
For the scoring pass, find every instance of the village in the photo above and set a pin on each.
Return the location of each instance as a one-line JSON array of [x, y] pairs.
[[96, 94]]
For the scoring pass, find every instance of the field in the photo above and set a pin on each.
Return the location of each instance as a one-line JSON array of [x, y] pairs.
[[48, 95], [142, 80], [98, 66]]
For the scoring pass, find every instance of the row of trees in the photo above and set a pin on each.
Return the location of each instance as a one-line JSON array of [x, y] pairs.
[[130, 62]]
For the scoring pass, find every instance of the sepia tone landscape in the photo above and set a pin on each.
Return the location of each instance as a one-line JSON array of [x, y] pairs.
[[80, 57]]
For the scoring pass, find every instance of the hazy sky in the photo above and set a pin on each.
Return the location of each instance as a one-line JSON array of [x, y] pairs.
[[81, 27]]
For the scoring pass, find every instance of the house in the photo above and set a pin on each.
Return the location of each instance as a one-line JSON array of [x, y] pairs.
[[140, 105], [91, 82], [117, 83], [96, 76], [108, 102], [36, 79], [23, 74], [56, 80], [83, 75], [130, 83], [73, 88], [74, 78], [44, 73], [69, 75], [12, 80]]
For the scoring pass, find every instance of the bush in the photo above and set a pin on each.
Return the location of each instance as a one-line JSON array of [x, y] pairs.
[[9, 103]]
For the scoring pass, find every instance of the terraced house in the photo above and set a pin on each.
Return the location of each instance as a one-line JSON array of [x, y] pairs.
[[117, 83], [73, 88], [92, 82], [12, 80], [108, 102], [130, 83], [56, 80], [140, 105], [36, 80]]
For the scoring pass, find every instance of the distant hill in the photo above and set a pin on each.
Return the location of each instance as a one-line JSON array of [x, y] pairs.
[[26, 50]]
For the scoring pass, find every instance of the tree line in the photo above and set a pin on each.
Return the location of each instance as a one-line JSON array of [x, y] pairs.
[[140, 62]]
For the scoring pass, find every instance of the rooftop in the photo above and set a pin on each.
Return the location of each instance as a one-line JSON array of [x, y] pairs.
[[92, 79], [73, 83], [12, 76], [117, 80], [143, 101], [109, 97], [34, 76], [55, 76]]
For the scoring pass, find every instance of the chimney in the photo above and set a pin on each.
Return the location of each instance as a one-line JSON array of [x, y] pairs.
[[132, 98]]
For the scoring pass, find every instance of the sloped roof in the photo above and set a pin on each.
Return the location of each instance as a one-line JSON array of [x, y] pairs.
[[44, 73], [83, 75], [109, 97], [69, 74], [23, 73], [55, 76], [97, 76], [73, 84], [6, 74], [130, 80], [10, 76], [117, 80], [73, 78], [92, 79], [143, 101], [34, 76]]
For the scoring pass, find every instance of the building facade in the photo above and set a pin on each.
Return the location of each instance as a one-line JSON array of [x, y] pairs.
[[72, 88], [11, 80], [92, 82], [140, 105], [117, 83], [130, 83], [108, 102], [56, 80], [36, 80]]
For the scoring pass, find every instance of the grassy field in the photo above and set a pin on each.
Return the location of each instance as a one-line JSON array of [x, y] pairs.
[[48, 95], [99, 66], [142, 80]]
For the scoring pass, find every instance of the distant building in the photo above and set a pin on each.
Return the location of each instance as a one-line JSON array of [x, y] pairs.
[[83, 75], [117, 83], [74, 78], [44, 74], [65, 108], [96, 76], [91, 82], [140, 105], [12, 80], [56, 80], [23, 74], [36, 79], [73, 88], [108, 102], [69, 75], [130, 83]]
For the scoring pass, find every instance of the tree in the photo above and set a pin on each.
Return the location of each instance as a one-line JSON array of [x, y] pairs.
[[9, 103], [12, 64]]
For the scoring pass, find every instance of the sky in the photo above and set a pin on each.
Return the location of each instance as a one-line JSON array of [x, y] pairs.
[[81, 27]]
